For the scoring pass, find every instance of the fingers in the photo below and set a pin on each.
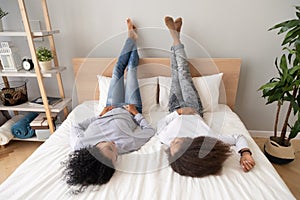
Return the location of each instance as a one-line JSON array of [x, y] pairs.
[[129, 107], [247, 165], [106, 109]]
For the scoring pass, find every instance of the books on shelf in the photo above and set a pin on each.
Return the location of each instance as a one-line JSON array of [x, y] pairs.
[[40, 122], [52, 101]]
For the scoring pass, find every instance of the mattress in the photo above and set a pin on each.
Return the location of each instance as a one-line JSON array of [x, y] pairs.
[[145, 174]]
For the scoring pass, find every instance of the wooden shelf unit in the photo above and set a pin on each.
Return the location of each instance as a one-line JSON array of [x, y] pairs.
[[24, 34], [37, 73], [32, 139], [24, 73], [37, 108]]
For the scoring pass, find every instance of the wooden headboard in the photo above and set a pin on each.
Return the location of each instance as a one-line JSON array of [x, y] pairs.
[[86, 69]]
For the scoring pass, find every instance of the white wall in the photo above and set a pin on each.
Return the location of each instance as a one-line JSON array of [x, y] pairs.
[[215, 28]]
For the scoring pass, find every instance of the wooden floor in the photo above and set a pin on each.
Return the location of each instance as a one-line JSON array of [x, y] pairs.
[[13, 154]]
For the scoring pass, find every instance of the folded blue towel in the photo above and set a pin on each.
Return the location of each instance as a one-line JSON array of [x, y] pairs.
[[21, 129]]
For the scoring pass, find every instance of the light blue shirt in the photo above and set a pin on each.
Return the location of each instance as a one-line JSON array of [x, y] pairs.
[[127, 131]]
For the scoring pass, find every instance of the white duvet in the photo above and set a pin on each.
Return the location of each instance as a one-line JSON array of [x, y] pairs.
[[145, 174]]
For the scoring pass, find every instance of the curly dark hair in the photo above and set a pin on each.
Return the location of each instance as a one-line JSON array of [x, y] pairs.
[[87, 166], [199, 157]]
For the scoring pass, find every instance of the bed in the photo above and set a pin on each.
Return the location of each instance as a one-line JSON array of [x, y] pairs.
[[145, 174]]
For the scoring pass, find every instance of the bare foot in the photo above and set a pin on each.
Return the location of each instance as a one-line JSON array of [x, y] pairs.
[[132, 32], [170, 23], [178, 24], [171, 26]]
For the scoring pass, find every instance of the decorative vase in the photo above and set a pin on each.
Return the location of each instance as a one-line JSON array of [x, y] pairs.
[[46, 65], [278, 154]]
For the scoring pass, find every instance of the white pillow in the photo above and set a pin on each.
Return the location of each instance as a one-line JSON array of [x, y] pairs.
[[206, 86], [103, 82], [148, 90]]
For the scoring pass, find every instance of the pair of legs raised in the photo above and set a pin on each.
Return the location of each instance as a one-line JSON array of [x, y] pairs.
[[183, 92], [120, 94]]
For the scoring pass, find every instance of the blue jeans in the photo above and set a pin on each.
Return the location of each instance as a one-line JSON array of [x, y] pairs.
[[183, 92], [118, 95]]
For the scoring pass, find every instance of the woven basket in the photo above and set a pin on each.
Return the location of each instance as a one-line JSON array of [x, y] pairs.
[[15, 94]]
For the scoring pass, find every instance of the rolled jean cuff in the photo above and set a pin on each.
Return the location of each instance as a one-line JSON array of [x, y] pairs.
[[176, 47]]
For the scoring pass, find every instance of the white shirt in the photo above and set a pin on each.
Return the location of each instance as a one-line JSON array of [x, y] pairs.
[[175, 125]]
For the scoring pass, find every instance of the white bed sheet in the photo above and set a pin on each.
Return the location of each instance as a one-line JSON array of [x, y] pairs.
[[145, 174]]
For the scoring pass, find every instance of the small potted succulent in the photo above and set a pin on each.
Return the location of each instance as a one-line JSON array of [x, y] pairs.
[[2, 14], [44, 56]]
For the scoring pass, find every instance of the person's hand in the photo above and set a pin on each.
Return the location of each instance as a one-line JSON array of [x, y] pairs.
[[131, 108], [186, 111], [106, 109], [247, 162]]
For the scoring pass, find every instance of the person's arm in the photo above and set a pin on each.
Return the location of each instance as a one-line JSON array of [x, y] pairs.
[[246, 161], [77, 130], [161, 124], [105, 110], [180, 111], [147, 130]]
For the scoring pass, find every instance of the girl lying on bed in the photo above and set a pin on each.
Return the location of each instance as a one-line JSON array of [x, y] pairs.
[[194, 150], [119, 129]]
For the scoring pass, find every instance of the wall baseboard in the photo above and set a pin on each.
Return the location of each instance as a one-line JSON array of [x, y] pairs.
[[265, 134]]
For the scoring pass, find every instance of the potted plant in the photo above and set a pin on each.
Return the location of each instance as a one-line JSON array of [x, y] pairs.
[[2, 14], [44, 56], [285, 88]]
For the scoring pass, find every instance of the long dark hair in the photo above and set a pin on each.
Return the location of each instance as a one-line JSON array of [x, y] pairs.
[[87, 166], [199, 157]]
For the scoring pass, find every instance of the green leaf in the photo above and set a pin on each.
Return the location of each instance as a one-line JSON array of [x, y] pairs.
[[294, 70], [291, 51], [279, 25], [286, 25], [275, 97], [296, 83], [283, 66], [291, 35], [295, 129], [296, 60], [295, 106], [298, 99], [268, 93], [298, 14], [276, 65], [268, 86]]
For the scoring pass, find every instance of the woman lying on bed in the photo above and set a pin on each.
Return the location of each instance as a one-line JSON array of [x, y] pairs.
[[119, 129], [189, 154]]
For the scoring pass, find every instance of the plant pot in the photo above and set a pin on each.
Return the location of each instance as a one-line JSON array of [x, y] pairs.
[[278, 154], [45, 66]]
